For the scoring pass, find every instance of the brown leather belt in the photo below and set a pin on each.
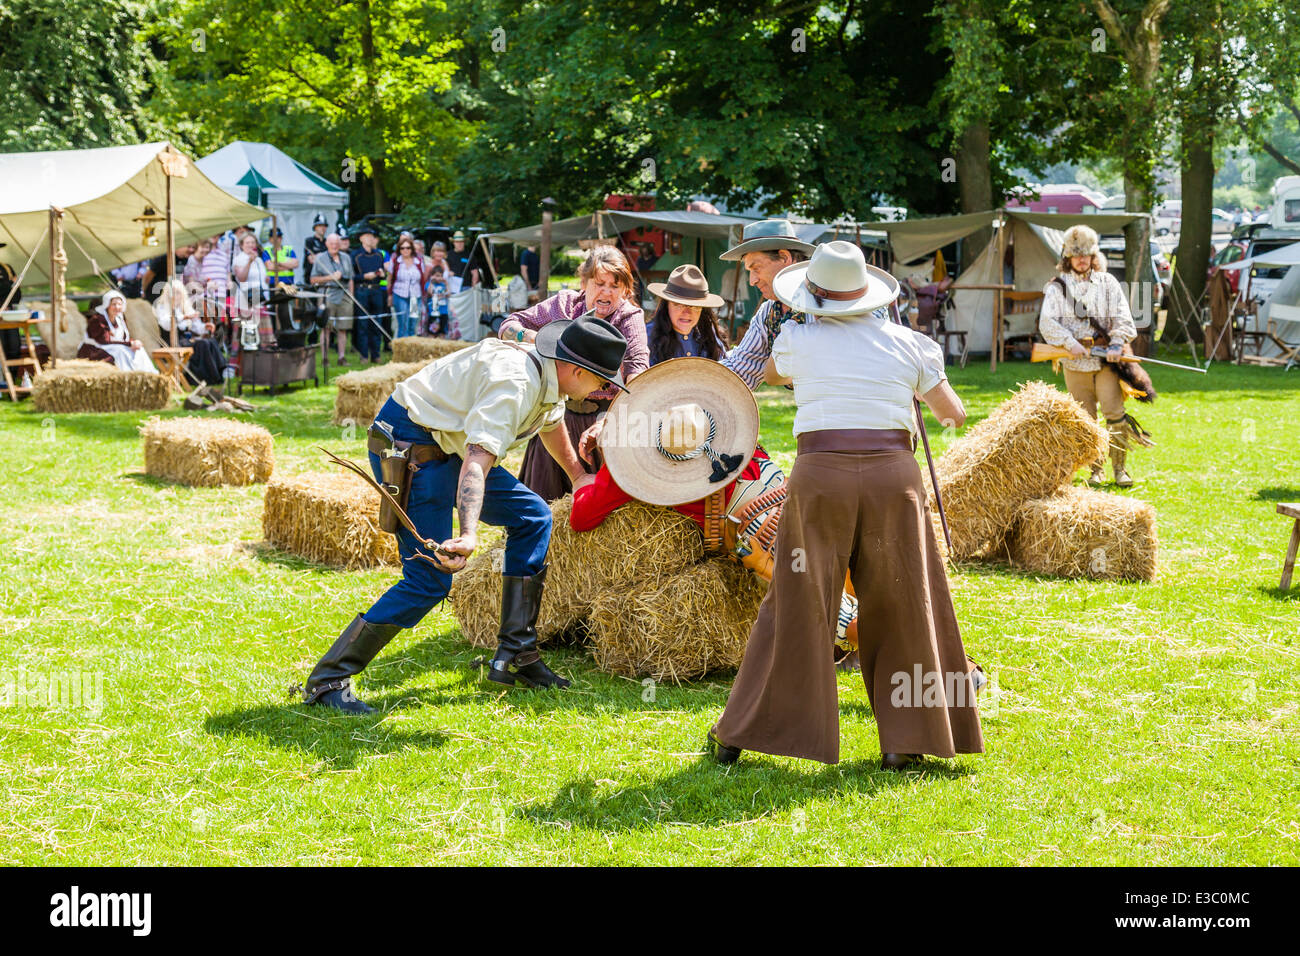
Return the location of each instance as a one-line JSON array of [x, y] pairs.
[[419, 454], [856, 439]]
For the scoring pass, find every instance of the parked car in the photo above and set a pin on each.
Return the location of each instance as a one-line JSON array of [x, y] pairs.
[[1221, 222], [1232, 252], [1112, 247], [1264, 281], [1167, 217]]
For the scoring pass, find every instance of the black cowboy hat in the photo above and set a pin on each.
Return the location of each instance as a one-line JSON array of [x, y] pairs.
[[587, 342]]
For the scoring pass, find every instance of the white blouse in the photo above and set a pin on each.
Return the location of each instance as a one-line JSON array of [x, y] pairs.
[[856, 372]]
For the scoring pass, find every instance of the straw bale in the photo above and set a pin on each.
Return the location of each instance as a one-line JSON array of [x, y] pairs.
[[1029, 447], [207, 451], [83, 386], [638, 545], [70, 337], [424, 348], [362, 393], [685, 625], [1082, 533], [328, 517]]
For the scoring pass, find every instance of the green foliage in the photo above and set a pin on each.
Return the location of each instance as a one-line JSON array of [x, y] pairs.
[[77, 75], [328, 82], [820, 110]]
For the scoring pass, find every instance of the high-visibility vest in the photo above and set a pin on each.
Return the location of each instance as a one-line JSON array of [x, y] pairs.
[[276, 269]]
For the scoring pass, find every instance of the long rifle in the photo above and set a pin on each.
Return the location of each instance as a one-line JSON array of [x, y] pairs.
[[1049, 353]]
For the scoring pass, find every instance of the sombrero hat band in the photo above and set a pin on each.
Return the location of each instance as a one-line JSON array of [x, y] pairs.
[[836, 296], [723, 465]]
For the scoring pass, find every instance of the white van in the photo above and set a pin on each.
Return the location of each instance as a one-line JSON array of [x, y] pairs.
[[1286, 203]]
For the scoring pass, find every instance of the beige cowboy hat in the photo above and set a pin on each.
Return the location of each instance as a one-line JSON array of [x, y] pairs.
[[687, 430], [686, 285], [835, 281]]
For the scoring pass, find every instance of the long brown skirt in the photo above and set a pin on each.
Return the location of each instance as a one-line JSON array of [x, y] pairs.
[[541, 473], [865, 512]]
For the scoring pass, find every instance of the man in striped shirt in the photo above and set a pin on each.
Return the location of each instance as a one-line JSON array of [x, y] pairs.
[[766, 247]]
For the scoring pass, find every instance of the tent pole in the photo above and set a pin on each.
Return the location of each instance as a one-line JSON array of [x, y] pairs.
[[56, 280], [544, 267], [996, 350], [171, 260]]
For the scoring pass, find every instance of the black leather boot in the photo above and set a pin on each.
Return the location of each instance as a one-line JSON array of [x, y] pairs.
[[517, 660], [330, 682]]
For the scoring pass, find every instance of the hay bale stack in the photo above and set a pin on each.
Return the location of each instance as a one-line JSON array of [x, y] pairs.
[[689, 623], [207, 451], [362, 393], [636, 546], [328, 517], [1082, 533], [424, 348], [476, 600], [82, 386], [1029, 447]]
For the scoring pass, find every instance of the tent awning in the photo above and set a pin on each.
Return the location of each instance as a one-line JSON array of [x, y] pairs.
[[259, 171], [913, 238], [606, 223], [102, 191]]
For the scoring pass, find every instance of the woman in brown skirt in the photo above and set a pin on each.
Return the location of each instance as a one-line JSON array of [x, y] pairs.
[[855, 502], [606, 288]]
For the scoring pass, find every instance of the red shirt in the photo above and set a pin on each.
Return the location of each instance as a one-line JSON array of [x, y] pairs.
[[594, 503]]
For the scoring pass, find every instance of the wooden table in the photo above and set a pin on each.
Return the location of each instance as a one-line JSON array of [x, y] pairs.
[[1291, 511], [171, 362], [20, 321]]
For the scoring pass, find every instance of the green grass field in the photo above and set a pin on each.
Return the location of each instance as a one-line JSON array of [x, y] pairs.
[[1131, 723]]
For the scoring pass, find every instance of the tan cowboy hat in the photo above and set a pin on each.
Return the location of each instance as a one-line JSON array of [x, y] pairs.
[[686, 285], [687, 430], [835, 281]]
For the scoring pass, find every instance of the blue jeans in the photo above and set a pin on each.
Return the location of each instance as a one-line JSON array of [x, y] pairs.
[[368, 337], [507, 503], [408, 314]]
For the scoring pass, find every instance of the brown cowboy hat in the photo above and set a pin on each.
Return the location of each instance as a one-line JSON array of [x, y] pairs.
[[686, 285]]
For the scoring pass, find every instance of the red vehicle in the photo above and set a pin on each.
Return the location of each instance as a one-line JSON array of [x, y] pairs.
[[1229, 253]]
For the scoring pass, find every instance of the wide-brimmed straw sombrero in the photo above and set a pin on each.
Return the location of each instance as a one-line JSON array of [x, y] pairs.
[[687, 430], [835, 281], [686, 285]]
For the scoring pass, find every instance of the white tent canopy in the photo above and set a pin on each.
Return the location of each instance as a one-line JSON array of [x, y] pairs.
[[261, 174], [1035, 239], [102, 191]]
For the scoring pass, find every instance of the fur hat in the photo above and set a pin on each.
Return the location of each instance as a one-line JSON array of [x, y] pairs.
[[1080, 241]]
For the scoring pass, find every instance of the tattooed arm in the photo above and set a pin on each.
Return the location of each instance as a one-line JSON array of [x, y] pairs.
[[469, 505]]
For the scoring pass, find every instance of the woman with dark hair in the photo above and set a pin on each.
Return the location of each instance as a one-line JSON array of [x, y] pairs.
[[685, 323], [605, 291]]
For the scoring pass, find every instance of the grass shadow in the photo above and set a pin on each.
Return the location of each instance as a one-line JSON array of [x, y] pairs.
[[265, 551], [339, 739], [1290, 594], [706, 794], [1276, 493]]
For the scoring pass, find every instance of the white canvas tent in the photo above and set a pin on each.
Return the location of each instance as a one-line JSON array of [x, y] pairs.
[[101, 192], [263, 175], [1035, 239]]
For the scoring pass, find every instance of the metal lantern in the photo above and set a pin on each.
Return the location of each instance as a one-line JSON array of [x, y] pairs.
[[149, 220]]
